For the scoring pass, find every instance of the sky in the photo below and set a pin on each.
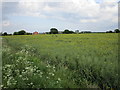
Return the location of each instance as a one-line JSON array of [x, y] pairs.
[[42, 15]]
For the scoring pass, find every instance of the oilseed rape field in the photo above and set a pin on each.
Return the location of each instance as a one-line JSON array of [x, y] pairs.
[[60, 61]]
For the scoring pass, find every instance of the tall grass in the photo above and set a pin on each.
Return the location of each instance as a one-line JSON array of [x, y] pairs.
[[63, 61]]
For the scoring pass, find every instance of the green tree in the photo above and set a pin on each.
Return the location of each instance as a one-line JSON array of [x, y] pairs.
[[15, 33], [22, 32], [117, 31], [28, 33], [5, 34], [53, 31], [109, 32], [67, 31]]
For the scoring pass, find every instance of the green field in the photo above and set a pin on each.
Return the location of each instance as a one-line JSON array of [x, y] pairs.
[[60, 61]]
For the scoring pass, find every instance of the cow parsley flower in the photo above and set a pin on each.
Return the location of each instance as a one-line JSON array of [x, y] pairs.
[[59, 79]]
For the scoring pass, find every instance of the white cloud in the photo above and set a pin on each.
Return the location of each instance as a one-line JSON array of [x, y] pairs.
[[87, 8], [88, 21], [56, 0], [79, 11], [82, 8]]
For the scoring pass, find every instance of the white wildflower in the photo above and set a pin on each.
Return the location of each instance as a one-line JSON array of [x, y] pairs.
[[53, 67], [41, 73], [52, 74], [47, 77], [1, 85], [8, 83], [27, 68], [8, 65], [20, 75], [59, 79], [31, 83]]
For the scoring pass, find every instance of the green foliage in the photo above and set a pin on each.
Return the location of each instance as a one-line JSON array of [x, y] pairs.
[[67, 61], [15, 33], [53, 31], [67, 32], [22, 32], [85, 31], [109, 31], [117, 31], [28, 33], [4, 34]]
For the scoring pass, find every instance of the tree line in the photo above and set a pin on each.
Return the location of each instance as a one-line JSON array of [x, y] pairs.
[[115, 31], [55, 31], [21, 32]]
